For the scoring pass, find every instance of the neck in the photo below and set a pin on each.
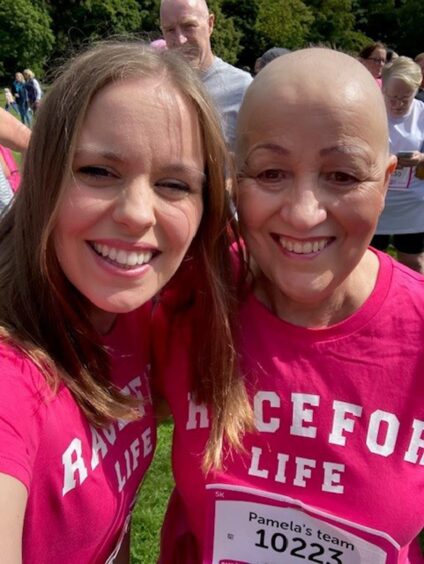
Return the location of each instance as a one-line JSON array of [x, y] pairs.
[[102, 321], [206, 62], [329, 310]]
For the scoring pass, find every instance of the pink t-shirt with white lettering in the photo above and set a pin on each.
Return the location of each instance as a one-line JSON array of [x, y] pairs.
[[81, 481], [335, 470]]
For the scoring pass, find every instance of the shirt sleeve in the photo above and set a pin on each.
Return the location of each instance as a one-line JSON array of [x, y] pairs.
[[22, 412]]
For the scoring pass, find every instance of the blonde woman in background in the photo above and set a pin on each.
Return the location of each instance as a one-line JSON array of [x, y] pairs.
[[402, 220]]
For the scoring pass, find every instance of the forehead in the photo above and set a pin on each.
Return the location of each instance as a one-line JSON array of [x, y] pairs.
[[175, 12], [379, 51], [396, 86], [306, 116], [151, 99]]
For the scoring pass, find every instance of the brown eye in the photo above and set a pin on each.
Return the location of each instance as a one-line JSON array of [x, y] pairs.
[[341, 177], [271, 175], [96, 171]]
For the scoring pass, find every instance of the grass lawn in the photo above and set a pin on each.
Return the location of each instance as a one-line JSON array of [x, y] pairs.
[[150, 508]]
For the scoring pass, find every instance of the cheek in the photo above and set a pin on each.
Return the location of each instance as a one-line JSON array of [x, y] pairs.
[[255, 206], [180, 223], [359, 214]]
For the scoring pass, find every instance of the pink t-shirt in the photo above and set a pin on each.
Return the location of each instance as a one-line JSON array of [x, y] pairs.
[[81, 481], [335, 470]]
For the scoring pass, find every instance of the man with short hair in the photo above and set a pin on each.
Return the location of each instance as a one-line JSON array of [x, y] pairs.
[[419, 59], [187, 26]]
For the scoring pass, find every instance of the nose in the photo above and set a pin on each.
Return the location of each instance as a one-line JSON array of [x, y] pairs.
[[302, 210], [135, 207], [179, 37]]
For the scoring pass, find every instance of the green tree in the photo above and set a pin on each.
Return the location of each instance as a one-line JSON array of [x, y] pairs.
[[225, 37], [76, 23], [253, 43], [334, 25], [411, 28], [285, 24], [26, 36], [150, 22], [377, 19]]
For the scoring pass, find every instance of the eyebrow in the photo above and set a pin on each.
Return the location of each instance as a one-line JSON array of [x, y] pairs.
[[274, 147], [344, 150], [182, 168], [102, 153], [335, 149], [120, 158]]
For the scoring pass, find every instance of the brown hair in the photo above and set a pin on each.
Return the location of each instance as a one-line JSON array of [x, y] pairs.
[[367, 51], [40, 311]]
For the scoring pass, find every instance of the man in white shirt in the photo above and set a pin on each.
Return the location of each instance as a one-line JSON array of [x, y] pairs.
[[187, 26]]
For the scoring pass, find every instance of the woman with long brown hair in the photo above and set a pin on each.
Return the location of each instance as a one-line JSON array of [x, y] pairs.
[[124, 176]]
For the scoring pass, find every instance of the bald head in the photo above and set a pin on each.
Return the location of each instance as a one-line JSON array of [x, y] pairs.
[[316, 80], [187, 26], [313, 158], [197, 7]]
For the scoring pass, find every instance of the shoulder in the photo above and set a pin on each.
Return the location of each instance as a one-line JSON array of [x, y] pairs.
[[24, 395], [21, 382], [240, 75], [406, 287]]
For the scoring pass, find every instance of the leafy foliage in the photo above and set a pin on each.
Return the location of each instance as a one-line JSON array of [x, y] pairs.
[[78, 23], [243, 30], [285, 24], [26, 36], [226, 37]]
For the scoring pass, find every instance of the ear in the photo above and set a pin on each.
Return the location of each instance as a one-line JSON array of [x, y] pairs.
[[211, 23], [391, 167]]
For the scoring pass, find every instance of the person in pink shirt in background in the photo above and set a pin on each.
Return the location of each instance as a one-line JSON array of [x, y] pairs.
[[124, 175], [318, 454], [373, 57]]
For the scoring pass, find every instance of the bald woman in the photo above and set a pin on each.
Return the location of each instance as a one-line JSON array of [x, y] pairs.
[[330, 344]]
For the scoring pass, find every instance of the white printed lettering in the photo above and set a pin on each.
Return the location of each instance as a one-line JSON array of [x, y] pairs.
[[254, 469], [197, 415], [146, 437], [135, 451], [280, 476], [303, 470], [392, 424], [341, 423], [97, 445], [73, 463], [273, 423], [121, 479], [301, 415], [417, 442], [332, 477]]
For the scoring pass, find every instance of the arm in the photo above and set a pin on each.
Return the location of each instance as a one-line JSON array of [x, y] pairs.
[[123, 556], [416, 159], [13, 498], [13, 134]]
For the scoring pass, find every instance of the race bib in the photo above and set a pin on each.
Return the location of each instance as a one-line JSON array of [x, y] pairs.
[[249, 526], [401, 179]]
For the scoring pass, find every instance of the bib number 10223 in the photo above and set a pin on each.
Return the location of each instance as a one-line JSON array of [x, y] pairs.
[[298, 547]]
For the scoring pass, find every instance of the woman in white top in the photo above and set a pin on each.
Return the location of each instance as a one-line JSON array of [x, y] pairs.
[[403, 215]]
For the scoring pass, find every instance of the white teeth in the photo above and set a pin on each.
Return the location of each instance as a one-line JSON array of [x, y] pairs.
[[305, 248], [132, 259], [121, 257]]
